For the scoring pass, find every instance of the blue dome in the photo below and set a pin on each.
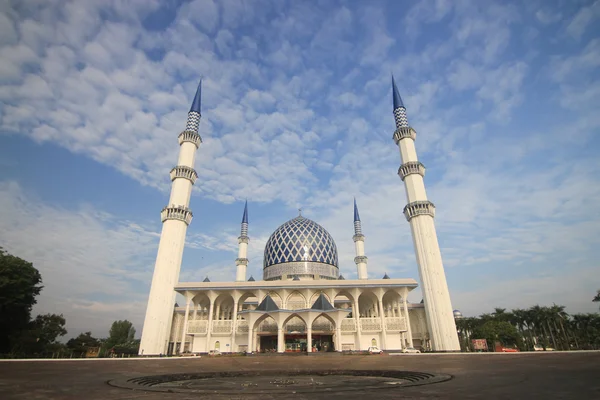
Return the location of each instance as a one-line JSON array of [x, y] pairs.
[[300, 247]]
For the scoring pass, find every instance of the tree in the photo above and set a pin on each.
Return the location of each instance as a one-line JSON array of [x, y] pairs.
[[121, 333], [20, 283], [41, 336], [81, 343], [501, 331], [597, 296]]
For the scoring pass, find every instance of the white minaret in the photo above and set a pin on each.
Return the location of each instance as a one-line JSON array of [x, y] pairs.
[[420, 212], [359, 243], [242, 260], [175, 217]]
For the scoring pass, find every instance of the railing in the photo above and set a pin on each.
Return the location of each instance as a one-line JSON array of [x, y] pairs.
[[395, 324], [370, 324], [348, 325], [241, 326], [197, 327], [224, 326]]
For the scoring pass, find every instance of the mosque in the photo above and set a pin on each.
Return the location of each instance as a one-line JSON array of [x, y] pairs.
[[303, 303]]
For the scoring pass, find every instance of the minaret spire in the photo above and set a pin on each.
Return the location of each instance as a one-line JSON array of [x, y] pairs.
[[176, 217], [359, 243], [420, 212], [242, 260]]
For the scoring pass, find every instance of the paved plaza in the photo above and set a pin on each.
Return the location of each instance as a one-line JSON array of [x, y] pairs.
[[573, 375]]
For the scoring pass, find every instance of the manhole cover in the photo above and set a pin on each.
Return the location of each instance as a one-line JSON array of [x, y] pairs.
[[279, 381]]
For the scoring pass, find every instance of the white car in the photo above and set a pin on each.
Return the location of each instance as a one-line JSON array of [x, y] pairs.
[[374, 350], [410, 350]]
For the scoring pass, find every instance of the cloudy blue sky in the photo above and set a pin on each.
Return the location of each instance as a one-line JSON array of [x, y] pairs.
[[297, 113]]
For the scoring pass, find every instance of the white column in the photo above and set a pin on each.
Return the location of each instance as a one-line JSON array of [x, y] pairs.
[[250, 339], [280, 341], [209, 326], [195, 314], [185, 324], [383, 330], [309, 339], [234, 326], [408, 328], [338, 337], [356, 314]]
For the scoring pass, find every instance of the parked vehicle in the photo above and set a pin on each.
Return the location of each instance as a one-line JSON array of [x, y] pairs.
[[410, 350], [374, 350], [214, 352]]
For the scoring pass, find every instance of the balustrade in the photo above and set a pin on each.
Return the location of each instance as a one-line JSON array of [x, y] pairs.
[[197, 327], [322, 326], [348, 325], [370, 324], [242, 326], [395, 324], [222, 326]]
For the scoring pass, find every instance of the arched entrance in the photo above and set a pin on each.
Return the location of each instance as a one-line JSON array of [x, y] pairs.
[[295, 334], [323, 328]]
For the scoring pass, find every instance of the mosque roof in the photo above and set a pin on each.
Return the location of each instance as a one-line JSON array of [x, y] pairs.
[[267, 305], [206, 279], [322, 304], [300, 239]]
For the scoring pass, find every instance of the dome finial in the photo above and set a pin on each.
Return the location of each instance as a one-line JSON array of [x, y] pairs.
[[356, 216], [300, 212]]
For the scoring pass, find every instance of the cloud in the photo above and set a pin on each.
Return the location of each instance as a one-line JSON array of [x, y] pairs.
[[582, 19], [82, 254]]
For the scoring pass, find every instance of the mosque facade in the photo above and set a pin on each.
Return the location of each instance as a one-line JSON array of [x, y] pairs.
[[302, 303]]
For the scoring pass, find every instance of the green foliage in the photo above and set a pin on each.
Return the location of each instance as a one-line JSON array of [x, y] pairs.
[[538, 325], [497, 331], [121, 334], [20, 283], [80, 344], [597, 296], [40, 337]]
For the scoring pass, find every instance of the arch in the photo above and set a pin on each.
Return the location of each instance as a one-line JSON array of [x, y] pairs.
[[319, 320], [296, 301], [294, 323], [261, 320], [223, 309], [392, 303], [368, 305], [217, 345], [374, 342], [245, 297]]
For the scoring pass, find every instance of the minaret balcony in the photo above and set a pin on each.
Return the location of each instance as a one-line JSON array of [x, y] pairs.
[[241, 261], [360, 259], [243, 239], [180, 213], [411, 167], [404, 132], [189, 136], [419, 208], [358, 238], [181, 171]]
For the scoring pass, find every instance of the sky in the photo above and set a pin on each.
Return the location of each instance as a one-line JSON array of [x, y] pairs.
[[297, 113]]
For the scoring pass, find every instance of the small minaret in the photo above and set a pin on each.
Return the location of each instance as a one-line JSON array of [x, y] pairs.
[[359, 244], [419, 212], [242, 260], [176, 217]]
